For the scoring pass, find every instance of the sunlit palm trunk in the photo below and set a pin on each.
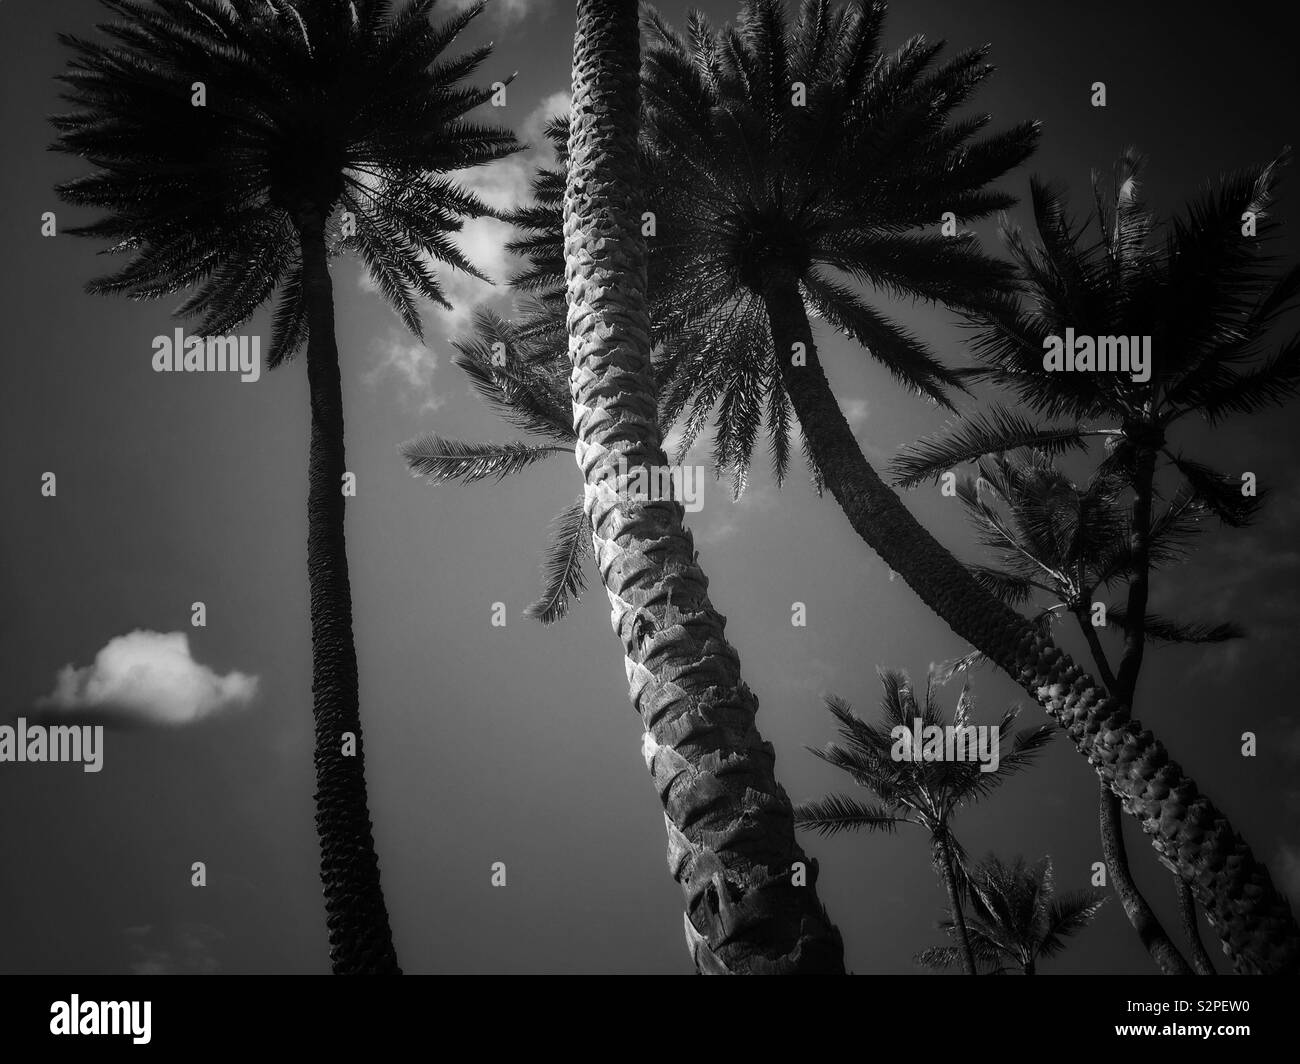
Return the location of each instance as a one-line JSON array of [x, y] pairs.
[[944, 853], [731, 841], [360, 939], [1252, 918]]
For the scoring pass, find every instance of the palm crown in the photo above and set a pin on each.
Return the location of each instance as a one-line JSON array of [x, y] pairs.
[[796, 150], [1015, 916], [309, 107], [1055, 538], [923, 792], [1207, 296]]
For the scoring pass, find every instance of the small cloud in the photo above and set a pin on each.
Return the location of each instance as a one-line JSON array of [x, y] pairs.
[[411, 364], [505, 11], [146, 678], [186, 950]]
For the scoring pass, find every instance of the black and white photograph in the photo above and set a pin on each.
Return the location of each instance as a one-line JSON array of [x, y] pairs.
[[723, 487]]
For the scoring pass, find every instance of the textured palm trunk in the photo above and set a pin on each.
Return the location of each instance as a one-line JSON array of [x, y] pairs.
[[1150, 931], [944, 854], [1191, 927], [1187, 831], [1030, 967], [751, 905], [1154, 938], [359, 935]]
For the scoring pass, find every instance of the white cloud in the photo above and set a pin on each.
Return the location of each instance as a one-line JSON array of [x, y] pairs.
[[503, 184], [505, 11], [404, 358], [146, 678]]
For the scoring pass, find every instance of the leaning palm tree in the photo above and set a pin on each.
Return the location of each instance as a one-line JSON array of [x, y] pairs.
[[912, 790], [1016, 917], [1207, 297], [236, 146], [739, 259], [731, 843], [1056, 545]]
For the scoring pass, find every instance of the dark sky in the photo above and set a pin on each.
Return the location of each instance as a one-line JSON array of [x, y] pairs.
[[518, 744]]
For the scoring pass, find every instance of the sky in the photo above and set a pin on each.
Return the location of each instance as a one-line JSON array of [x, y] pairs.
[[517, 744]]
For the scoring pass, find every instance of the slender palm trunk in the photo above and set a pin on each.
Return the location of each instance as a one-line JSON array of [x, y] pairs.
[[1030, 967], [360, 939], [751, 906], [1150, 931], [1191, 927], [954, 900], [1252, 918]]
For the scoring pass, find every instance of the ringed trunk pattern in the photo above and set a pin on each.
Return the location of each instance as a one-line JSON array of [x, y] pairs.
[[359, 935], [1189, 834], [731, 838]]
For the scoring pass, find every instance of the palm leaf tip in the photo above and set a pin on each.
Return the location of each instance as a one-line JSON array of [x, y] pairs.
[[562, 575], [442, 461]]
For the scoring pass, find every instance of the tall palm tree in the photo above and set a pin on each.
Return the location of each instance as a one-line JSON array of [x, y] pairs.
[[740, 256], [1016, 917], [1054, 538], [731, 843], [311, 109], [927, 793], [1207, 298]]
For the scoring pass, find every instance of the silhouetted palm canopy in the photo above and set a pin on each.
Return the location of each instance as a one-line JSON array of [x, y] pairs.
[[234, 147], [329, 105], [843, 190], [1015, 917], [1207, 295], [923, 792], [1056, 543]]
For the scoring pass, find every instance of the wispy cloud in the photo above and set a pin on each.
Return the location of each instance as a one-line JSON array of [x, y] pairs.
[[505, 11], [146, 678], [185, 950], [404, 359]]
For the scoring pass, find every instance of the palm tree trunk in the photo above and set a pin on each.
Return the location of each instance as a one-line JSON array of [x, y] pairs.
[[1149, 929], [731, 840], [954, 900], [1252, 918], [1187, 910], [359, 936], [1030, 967], [1155, 939]]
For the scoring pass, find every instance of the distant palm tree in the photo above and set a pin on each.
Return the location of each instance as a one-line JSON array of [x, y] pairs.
[[1015, 917], [1054, 538], [1207, 296], [731, 841], [224, 138], [927, 793]]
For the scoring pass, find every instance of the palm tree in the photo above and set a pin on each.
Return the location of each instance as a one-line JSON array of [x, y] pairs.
[[1207, 298], [745, 183], [1015, 917], [927, 793], [731, 843], [1054, 538], [326, 126]]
